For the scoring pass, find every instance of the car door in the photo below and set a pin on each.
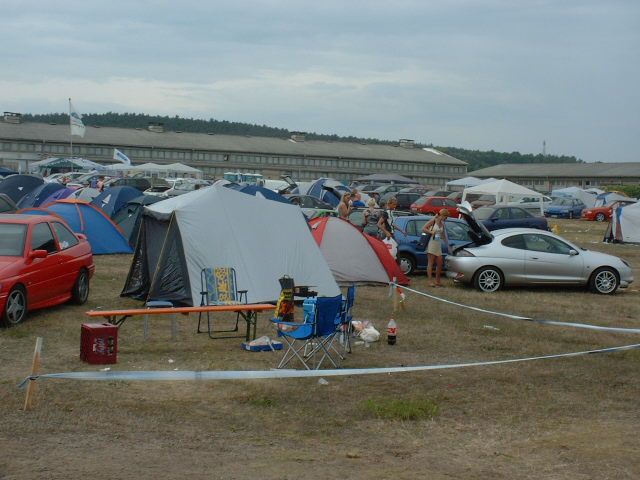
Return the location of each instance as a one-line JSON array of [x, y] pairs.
[[69, 262], [512, 259], [412, 234], [521, 218], [41, 274], [550, 260], [500, 219]]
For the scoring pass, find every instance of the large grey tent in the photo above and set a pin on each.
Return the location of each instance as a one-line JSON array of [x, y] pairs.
[[219, 227]]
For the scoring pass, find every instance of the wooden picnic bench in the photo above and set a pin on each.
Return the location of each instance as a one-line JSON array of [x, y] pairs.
[[249, 312]]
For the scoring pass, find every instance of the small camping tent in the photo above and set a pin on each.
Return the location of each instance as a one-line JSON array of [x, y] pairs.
[[219, 227], [112, 199], [38, 195], [351, 254], [624, 226], [504, 191], [103, 235], [128, 217], [17, 186], [57, 195]]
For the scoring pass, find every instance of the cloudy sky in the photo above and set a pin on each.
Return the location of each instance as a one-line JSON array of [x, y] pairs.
[[483, 74]]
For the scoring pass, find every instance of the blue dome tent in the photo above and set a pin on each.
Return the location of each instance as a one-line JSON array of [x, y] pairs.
[[103, 235]]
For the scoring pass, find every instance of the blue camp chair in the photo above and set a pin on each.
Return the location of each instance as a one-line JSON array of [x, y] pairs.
[[220, 287], [309, 341]]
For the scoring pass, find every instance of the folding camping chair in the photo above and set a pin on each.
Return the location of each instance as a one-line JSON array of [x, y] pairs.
[[220, 287], [309, 341], [343, 322]]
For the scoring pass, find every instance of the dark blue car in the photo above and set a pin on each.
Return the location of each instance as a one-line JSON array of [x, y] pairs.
[[407, 234], [497, 217], [565, 208]]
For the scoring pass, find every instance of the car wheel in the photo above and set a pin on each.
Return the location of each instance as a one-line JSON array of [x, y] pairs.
[[604, 281], [15, 310], [407, 263], [488, 279], [80, 291], [600, 217]]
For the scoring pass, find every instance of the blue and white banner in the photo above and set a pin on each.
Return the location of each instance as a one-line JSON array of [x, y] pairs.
[[121, 157], [75, 121]]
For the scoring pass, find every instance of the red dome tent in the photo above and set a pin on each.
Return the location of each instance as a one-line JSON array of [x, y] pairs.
[[353, 256]]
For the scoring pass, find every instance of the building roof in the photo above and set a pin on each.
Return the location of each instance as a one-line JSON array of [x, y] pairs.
[[573, 170], [130, 137]]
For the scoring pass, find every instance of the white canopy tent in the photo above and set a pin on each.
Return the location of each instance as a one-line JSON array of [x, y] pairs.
[[504, 191], [469, 182]]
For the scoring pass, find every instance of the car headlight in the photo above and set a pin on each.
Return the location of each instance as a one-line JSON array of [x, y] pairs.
[[464, 253]]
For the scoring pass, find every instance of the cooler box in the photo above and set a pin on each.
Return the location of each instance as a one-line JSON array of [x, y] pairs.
[[99, 343]]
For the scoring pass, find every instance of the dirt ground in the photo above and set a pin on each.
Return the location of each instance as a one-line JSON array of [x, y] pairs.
[[574, 418]]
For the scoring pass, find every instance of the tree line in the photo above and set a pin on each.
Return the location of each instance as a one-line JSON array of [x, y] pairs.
[[475, 158]]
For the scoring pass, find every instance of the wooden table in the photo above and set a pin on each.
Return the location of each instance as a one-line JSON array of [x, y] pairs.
[[249, 312]]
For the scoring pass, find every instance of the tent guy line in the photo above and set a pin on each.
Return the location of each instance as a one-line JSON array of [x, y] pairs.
[[518, 317], [165, 375]]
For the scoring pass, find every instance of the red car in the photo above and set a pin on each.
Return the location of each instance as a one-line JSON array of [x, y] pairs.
[[600, 214], [433, 205], [42, 263]]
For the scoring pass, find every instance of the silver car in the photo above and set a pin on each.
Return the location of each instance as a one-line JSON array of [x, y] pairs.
[[524, 256]]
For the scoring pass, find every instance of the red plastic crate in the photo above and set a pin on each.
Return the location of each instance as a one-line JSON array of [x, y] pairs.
[[99, 343]]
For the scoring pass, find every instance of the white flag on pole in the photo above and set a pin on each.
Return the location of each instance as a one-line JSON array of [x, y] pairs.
[[121, 157], [75, 121]]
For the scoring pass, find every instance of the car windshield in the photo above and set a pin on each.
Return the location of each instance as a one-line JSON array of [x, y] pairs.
[[561, 202], [482, 213], [12, 239]]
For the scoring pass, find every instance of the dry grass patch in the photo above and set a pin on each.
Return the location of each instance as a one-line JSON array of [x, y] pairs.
[[570, 418]]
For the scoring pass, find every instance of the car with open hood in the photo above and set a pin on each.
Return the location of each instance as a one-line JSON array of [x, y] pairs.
[[526, 257], [412, 255]]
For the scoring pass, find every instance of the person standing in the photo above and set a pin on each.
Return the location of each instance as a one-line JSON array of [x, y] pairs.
[[344, 207], [100, 183], [385, 222], [436, 228], [371, 215]]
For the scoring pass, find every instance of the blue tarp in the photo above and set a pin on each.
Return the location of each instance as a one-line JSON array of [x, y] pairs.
[[103, 235], [114, 198], [38, 195]]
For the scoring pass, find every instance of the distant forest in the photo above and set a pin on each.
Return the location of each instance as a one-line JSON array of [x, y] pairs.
[[475, 158]]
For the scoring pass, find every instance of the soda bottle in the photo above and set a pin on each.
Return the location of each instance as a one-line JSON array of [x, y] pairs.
[[391, 332]]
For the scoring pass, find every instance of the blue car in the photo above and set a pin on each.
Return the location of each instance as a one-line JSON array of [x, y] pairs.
[[565, 208], [408, 231], [498, 216]]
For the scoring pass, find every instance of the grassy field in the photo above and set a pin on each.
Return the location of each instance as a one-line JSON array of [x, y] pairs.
[[573, 418]]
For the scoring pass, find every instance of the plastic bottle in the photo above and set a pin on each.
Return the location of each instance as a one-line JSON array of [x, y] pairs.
[[391, 332]]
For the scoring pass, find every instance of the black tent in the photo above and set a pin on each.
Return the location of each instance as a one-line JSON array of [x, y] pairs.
[[128, 217], [17, 186]]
